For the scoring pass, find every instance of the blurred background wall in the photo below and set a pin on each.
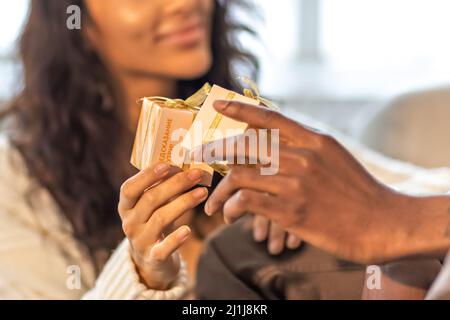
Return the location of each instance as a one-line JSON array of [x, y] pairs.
[[344, 62]]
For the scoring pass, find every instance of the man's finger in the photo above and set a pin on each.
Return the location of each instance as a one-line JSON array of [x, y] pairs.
[[262, 117], [249, 201], [293, 242], [277, 237], [260, 228], [245, 150], [249, 178], [253, 147]]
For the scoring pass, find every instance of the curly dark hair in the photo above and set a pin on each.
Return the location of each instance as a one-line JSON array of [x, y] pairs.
[[67, 121]]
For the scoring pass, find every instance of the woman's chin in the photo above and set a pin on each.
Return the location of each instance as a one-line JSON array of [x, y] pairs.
[[192, 75], [193, 71]]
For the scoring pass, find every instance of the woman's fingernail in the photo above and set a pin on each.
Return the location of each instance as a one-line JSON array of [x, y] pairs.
[[184, 233], [162, 168], [200, 193], [195, 175]]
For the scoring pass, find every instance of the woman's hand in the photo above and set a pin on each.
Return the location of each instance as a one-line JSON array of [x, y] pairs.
[[277, 238], [324, 196], [150, 202]]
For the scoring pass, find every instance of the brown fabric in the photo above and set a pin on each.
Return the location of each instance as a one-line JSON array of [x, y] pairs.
[[233, 266]]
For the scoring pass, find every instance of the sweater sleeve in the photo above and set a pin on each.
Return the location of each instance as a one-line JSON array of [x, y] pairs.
[[119, 280], [34, 267]]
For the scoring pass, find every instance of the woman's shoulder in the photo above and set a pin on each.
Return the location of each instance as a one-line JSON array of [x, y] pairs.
[[13, 171], [21, 197]]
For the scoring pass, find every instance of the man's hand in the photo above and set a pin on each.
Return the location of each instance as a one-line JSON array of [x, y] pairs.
[[325, 197]]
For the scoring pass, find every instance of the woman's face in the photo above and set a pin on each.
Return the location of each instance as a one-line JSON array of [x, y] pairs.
[[166, 38]]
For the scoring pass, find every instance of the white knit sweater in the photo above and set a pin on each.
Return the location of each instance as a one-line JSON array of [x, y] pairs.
[[40, 259]]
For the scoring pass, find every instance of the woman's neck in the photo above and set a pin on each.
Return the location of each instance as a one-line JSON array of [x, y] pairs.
[[137, 87]]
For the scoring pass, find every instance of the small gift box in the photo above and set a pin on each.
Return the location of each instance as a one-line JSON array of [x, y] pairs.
[[160, 118], [168, 129], [209, 125], [154, 137]]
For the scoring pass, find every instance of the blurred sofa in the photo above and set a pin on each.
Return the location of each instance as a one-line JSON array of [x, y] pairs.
[[414, 127]]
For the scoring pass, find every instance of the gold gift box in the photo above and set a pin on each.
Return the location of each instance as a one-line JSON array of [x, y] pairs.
[[209, 125], [160, 117], [153, 143]]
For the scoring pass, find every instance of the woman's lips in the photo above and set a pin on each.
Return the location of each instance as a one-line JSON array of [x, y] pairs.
[[183, 36]]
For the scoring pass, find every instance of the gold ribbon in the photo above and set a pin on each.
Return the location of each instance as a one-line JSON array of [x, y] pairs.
[[252, 92], [193, 103]]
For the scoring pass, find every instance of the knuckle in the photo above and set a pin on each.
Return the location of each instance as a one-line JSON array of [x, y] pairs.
[[157, 219], [325, 141], [149, 197], [309, 159], [330, 140], [125, 189], [181, 181], [298, 207], [295, 184], [263, 200], [243, 197], [128, 228], [270, 116], [234, 176], [309, 155], [182, 177], [120, 210], [296, 212], [149, 172], [236, 107], [157, 254]]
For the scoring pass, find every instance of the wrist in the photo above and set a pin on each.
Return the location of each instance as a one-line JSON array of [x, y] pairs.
[[433, 234], [153, 284], [154, 278], [421, 225]]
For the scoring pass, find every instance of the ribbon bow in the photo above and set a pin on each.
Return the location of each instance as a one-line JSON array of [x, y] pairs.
[[253, 92], [193, 103]]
